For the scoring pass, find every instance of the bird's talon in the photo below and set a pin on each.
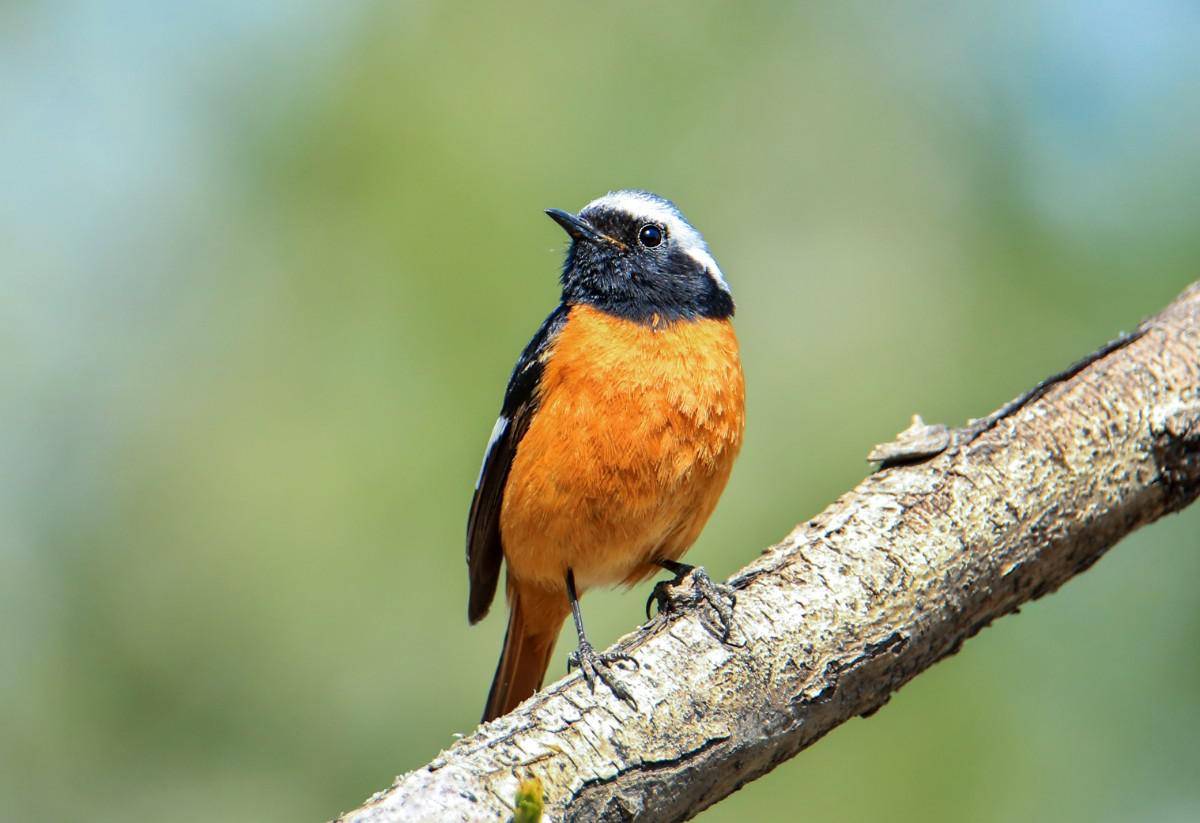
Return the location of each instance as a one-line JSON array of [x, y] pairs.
[[618, 657], [662, 595], [720, 598], [597, 666], [665, 596]]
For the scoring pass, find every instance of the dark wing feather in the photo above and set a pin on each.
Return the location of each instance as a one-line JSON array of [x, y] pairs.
[[484, 551]]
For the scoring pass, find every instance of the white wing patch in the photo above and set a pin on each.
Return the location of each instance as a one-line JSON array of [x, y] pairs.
[[652, 209], [497, 432]]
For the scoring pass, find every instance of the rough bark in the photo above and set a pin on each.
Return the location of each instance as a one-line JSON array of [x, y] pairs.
[[889, 579]]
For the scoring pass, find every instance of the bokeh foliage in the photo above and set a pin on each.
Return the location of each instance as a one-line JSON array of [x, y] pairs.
[[266, 268]]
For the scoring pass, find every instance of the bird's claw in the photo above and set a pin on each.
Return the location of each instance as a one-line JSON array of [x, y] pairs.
[[597, 666], [720, 598]]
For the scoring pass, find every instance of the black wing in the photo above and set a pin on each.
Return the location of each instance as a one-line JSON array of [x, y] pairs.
[[484, 551]]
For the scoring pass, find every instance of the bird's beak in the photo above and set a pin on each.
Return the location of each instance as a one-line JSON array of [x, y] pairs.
[[577, 227]]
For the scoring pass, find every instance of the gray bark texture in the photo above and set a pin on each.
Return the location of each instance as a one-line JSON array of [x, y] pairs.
[[888, 580]]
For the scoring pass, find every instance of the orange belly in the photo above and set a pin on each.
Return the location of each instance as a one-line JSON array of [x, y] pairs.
[[629, 450]]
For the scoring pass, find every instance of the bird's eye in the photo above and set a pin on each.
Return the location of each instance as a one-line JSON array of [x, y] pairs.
[[650, 235]]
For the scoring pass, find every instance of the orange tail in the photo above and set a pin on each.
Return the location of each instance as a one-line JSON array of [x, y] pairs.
[[534, 619]]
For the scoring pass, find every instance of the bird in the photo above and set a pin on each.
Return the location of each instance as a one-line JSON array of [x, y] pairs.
[[616, 437]]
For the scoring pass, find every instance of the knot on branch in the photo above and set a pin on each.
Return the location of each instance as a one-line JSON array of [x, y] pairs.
[[920, 441], [1176, 450]]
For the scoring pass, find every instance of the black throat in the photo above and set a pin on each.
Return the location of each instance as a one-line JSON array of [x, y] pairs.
[[642, 288]]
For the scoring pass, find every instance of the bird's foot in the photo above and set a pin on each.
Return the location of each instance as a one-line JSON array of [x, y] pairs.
[[671, 597], [598, 666]]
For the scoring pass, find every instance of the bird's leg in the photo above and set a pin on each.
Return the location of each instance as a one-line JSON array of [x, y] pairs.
[[595, 665], [720, 598]]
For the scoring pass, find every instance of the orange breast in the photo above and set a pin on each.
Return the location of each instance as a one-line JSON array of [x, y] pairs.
[[631, 446]]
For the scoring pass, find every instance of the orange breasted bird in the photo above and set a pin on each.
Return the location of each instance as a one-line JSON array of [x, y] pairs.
[[618, 430]]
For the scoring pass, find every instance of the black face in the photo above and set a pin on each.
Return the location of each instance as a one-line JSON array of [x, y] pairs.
[[633, 268]]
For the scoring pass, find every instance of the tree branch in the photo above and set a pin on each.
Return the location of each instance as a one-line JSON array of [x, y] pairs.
[[888, 580]]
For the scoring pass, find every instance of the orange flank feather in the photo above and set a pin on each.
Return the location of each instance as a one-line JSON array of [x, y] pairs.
[[636, 430]]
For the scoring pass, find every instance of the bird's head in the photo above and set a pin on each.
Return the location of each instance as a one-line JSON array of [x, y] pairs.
[[634, 255]]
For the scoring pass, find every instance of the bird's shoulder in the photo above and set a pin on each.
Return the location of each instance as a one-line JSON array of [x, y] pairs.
[[526, 374]]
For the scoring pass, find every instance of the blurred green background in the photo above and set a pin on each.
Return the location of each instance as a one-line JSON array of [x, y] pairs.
[[265, 268]]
